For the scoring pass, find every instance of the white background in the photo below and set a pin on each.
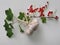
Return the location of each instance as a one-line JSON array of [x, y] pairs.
[[46, 34]]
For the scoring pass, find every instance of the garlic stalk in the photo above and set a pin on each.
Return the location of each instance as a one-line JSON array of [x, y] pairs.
[[31, 26]]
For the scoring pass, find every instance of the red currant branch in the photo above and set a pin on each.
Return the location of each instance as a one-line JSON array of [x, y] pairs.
[[56, 17]]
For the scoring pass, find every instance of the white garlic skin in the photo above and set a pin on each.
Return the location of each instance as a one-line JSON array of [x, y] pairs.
[[31, 26]]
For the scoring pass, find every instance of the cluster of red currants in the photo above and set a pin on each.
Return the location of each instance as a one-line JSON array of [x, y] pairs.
[[41, 11]]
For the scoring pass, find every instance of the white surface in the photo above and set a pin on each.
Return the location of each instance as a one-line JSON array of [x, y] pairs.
[[46, 34]]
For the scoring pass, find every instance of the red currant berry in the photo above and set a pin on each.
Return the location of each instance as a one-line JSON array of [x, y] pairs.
[[56, 17], [47, 2], [27, 13], [50, 13]]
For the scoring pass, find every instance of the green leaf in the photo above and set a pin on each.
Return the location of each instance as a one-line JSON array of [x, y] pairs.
[[9, 33], [21, 15], [9, 14], [8, 29], [6, 25], [43, 19], [21, 30]]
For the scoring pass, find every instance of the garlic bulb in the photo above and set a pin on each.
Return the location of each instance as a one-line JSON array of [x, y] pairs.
[[31, 26]]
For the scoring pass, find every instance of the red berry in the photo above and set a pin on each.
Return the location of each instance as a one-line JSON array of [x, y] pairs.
[[56, 17], [31, 10], [50, 13], [35, 9], [43, 7], [47, 2], [41, 10], [42, 15], [27, 13], [31, 6], [27, 9], [46, 6]]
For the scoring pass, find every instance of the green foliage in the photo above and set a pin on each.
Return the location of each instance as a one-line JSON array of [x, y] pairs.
[[9, 32], [21, 15], [9, 14], [43, 19], [6, 25], [8, 28]]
